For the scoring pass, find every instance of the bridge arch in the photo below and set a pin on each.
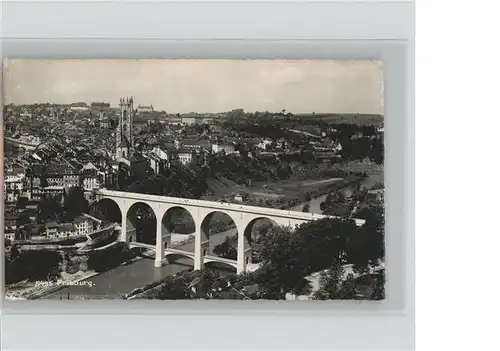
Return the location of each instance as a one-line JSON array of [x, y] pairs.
[[221, 265], [141, 224], [177, 256], [218, 230], [106, 209], [252, 232], [256, 227], [177, 220]]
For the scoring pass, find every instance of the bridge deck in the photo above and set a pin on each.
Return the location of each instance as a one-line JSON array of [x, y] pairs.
[[146, 246], [214, 205], [220, 259], [185, 253]]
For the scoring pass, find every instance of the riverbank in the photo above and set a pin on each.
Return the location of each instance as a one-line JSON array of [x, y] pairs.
[[38, 290], [26, 290]]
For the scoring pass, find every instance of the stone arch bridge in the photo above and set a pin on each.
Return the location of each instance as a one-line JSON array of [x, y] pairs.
[[243, 216]]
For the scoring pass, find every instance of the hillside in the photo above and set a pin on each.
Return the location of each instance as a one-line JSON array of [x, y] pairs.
[[360, 119]]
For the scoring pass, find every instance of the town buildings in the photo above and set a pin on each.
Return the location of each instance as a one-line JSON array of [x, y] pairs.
[[145, 109], [92, 146], [185, 155], [225, 148], [13, 184], [159, 160], [79, 106]]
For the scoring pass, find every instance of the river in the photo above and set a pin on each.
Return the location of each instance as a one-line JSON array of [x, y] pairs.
[[113, 284], [116, 282], [314, 204]]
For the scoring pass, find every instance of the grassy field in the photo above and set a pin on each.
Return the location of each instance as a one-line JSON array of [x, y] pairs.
[[223, 188], [267, 190], [360, 119]]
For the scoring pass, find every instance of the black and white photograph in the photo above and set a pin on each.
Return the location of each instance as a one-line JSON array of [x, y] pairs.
[[193, 179]]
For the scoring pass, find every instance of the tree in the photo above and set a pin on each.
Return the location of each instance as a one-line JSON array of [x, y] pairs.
[[282, 269], [122, 178], [376, 153], [379, 289], [14, 252], [288, 256], [35, 265], [305, 208], [322, 240], [21, 202], [178, 181], [227, 249], [103, 260], [330, 281], [195, 163], [334, 286], [23, 219], [322, 206], [49, 209], [75, 203], [307, 196], [367, 246]]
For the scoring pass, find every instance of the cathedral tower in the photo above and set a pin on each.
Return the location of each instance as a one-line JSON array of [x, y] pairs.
[[124, 130]]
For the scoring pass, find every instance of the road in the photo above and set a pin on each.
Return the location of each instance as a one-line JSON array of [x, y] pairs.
[[113, 284]]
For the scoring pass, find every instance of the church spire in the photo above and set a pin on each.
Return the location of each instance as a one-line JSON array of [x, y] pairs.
[[124, 130]]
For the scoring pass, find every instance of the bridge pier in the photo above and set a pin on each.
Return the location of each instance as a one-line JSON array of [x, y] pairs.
[[160, 250], [167, 240], [240, 259], [198, 253], [123, 234]]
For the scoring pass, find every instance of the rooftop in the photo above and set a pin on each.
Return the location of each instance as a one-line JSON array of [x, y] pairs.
[[51, 224], [89, 166], [80, 219], [197, 142], [66, 227], [60, 168], [186, 150], [54, 187]]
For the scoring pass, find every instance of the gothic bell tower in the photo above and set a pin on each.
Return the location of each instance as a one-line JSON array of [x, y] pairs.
[[124, 130]]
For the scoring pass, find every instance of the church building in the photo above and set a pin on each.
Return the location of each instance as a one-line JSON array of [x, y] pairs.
[[124, 130]]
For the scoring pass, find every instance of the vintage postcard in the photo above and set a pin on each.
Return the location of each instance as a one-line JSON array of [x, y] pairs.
[[193, 179]]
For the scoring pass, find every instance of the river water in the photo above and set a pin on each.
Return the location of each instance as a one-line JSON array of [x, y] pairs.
[[314, 204], [113, 284]]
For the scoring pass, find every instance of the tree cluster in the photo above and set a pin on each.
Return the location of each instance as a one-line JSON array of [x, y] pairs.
[[101, 261], [52, 208], [333, 286], [187, 285], [228, 249], [288, 256], [336, 204], [241, 169], [32, 265], [178, 181], [358, 149]]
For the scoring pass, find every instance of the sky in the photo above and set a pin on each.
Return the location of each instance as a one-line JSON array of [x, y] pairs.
[[181, 86]]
